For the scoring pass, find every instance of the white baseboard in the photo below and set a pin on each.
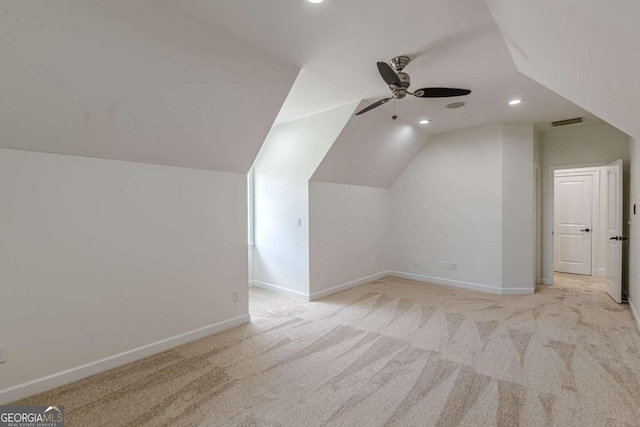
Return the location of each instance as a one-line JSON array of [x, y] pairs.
[[465, 285], [49, 382], [280, 290], [343, 287], [518, 291], [634, 313]]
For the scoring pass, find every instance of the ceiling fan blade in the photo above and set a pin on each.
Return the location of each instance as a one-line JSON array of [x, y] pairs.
[[388, 74], [440, 92], [372, 106]]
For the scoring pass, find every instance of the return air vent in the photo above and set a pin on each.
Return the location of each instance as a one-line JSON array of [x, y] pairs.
[[573, 121]]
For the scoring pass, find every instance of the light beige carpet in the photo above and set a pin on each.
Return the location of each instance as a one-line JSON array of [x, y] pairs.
[[393, 352]]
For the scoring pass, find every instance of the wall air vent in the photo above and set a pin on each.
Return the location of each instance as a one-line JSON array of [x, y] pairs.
[[573, 121]]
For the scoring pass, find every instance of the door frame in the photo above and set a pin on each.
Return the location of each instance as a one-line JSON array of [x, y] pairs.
[[548, 252], [618, 165], [594, 173]]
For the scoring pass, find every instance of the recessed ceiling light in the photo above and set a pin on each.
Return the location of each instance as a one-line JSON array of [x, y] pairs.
[[454, 105], [424, 121], [315, 1], [515, 101]]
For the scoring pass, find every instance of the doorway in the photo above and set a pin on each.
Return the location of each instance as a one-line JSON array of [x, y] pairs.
[[576, 210], [585, 221]]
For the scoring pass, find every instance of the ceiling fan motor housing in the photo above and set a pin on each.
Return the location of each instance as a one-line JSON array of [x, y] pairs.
[[399, 62], [405, 80], [399, 93]]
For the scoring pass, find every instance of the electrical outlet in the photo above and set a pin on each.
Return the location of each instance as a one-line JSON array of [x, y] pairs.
[[445, 265], [3, 353], [417, 262], [236, 296], [299, 222]]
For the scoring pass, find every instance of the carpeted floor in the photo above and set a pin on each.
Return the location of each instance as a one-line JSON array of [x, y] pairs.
[[393, 352]]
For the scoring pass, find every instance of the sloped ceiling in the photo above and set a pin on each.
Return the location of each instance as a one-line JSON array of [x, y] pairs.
[[371, 150], [336, 44], [295, 149], [134, 81], [586, 50]]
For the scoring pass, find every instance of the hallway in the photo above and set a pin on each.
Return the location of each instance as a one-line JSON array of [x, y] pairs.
[[579, 282]]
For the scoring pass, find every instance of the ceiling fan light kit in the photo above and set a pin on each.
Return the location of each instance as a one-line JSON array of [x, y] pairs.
[[399, 83]]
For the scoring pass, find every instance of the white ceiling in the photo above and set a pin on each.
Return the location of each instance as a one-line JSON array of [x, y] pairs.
[[586, 50], [199, 83], [134, 81], [372, 150], [337, 43]]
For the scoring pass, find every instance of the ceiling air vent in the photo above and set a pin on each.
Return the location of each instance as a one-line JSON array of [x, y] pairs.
[[573, 121]]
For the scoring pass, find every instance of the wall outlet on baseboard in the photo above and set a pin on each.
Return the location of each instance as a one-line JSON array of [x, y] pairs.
[[3, 353], [236, 296], [417, 262], [445, 265]]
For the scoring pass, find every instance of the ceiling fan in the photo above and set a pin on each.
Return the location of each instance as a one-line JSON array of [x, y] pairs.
[[399, 83]]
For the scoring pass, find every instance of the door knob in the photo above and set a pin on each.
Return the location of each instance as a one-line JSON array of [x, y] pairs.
[[614, 238], [586, 229]]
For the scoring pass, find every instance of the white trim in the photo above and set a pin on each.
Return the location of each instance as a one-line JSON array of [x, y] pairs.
[[280, 290], [49, 382], [250, 207], [546, 281], [634, 314], [594, 172], [343, 287], [465, 285], [548, 217], [537, 222]]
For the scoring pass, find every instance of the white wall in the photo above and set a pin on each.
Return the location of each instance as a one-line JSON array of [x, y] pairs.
[[518, 223], [634, 232], [447, 206], [99, 257], [348, 234], [467, 198], [596, 144], [287, 159]]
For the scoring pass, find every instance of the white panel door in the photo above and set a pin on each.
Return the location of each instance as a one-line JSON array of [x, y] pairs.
[[573, 198], [613, 198]]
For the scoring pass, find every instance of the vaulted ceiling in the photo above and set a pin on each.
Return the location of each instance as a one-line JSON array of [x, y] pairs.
[[372, 150], [199, 83], [586, 50], [337, 43], [134, 81]]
